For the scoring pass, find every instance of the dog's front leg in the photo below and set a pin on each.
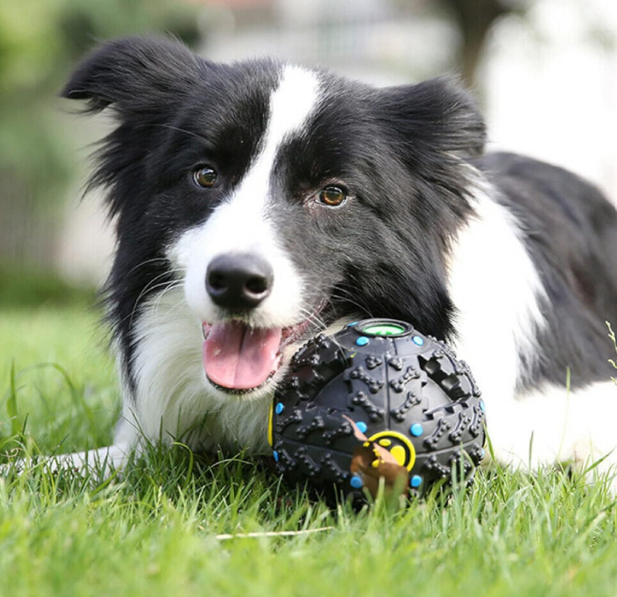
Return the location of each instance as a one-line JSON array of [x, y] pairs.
[[553, 425], [100, 461]]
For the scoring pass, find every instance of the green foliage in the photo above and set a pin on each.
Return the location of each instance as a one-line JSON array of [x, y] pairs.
[[40, 41], [28, 287], [56, 376], [162, 528]]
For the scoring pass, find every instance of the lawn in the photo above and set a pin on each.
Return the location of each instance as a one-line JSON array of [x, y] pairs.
[[163, 528]]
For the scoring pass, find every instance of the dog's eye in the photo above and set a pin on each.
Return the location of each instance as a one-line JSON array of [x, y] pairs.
[[332, 196], [205, 177]]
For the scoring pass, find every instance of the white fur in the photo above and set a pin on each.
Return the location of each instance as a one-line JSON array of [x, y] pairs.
[[498, 294], [500, 298], [104, 460], [174, 400], [243, 223], [551, 424]]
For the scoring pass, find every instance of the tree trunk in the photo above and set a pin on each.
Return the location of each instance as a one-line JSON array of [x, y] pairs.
[[475, 19]]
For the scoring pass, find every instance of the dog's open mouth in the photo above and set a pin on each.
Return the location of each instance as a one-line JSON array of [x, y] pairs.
[[239, 359]]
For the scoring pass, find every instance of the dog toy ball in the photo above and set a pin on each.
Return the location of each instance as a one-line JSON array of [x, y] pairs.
[[376, 400]]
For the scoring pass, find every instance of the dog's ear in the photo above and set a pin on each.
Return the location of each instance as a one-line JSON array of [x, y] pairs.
[[436, 114], [135, 75]]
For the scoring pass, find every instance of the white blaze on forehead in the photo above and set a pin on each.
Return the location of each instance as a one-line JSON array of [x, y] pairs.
[[290, 105], [243, 223]]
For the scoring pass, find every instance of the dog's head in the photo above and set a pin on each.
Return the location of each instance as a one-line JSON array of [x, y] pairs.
[[283, 198]]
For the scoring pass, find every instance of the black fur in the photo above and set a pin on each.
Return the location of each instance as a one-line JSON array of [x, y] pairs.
[[401, 153]]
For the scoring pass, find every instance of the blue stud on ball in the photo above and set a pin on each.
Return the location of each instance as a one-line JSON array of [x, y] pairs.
[[356, 482], [376, 399]]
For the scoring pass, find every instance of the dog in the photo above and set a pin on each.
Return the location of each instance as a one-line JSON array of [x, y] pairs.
[[258, 203]]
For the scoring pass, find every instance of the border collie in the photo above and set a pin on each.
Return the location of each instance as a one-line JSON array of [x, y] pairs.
[[258, 203]]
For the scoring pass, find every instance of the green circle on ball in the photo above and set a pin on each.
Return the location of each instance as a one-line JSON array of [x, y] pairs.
[[384, 329]]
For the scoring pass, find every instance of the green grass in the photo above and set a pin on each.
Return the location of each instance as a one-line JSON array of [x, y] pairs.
[[26, 286], [154, 531]]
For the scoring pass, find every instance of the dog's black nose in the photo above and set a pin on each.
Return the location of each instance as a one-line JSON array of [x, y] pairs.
[[239, 282]]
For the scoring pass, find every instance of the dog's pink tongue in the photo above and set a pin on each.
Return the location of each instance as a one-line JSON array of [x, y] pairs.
[[238, 357]]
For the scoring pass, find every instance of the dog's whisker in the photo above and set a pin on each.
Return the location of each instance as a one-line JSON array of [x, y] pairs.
[[150, 287], [147, 262], [314, 318], [178, 304], [347, 299]]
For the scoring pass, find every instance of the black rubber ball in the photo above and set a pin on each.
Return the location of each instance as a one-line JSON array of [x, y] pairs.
[[382, 385]]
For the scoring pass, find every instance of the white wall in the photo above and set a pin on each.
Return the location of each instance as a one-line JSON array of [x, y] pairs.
[[552, 87]]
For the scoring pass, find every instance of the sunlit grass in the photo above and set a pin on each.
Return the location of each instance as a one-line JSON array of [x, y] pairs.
[[157, 529]]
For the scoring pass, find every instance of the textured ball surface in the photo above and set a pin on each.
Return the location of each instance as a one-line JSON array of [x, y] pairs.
[[384, 386]]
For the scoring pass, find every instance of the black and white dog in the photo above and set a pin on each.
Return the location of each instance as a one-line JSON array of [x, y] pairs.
[[257, 203]]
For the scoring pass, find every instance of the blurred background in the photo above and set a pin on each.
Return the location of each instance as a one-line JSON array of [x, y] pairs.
[[544, 72]]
